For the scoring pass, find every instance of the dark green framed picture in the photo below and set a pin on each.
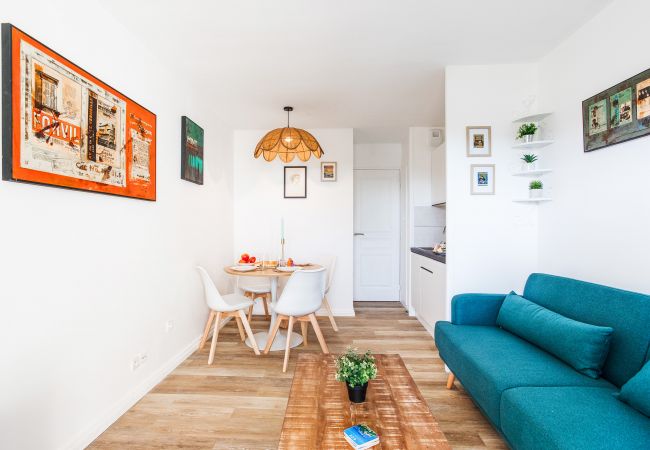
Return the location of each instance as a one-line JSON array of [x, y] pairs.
[[618, 114], [191, 151]]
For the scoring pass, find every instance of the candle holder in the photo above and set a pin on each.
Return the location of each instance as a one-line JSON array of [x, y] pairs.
[[282, 260]]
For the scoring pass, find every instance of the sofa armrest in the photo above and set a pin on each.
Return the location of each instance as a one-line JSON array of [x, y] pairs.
[[476, 309]]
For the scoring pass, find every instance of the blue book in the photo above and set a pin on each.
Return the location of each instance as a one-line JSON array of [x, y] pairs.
[[361, 437]]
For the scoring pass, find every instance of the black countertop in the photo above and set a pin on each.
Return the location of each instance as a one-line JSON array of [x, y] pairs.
[[428, 252]]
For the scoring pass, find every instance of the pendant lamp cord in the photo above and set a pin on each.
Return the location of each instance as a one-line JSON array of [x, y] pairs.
[[288, 112]]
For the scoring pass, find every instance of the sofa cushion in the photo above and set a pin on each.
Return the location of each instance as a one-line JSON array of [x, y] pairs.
[[488, 360], [636, 392], [628, 313], [581, 345], [575, 418]]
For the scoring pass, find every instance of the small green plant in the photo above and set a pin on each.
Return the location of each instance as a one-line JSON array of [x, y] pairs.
[[536, 184], [355, 369], [529, 158], [526, 130]]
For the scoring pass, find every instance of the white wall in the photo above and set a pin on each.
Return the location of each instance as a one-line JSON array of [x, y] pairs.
[[492, 241], [596, 227], [77, 306], [315, 227], [378, 155]]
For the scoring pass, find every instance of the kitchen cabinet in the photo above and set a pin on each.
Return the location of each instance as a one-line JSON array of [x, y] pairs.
[[438, 175], [415, 285], [428, 290]]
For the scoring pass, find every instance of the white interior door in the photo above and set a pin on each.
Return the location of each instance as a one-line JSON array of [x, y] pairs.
[[376, 235]]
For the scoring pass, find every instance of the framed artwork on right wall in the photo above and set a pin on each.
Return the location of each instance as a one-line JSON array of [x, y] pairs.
[[618, 114], [479, 141], [482, 179]]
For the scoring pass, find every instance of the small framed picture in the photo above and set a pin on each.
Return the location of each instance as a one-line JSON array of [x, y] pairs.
[[328, 171], [295, 182], [482, 179], [479, 141]]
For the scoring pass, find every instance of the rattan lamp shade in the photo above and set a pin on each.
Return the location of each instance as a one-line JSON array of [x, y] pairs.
[[288, 142]]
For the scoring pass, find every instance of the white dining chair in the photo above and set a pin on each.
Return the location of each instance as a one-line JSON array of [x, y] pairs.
[[300, 299], [255, 289], [330, 275], [222, 306]]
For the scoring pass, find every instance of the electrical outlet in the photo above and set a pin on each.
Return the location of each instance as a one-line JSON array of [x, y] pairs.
[[138, 360], [169, 326], [135, 363]]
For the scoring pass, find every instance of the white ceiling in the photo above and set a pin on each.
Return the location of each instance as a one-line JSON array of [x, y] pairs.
[[343, 63]]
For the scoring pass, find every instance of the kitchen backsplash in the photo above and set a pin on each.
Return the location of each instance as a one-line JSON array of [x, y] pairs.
[[429, 223]]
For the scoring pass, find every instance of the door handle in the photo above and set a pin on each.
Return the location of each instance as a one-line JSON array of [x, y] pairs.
[[424, 268], [359, 234]]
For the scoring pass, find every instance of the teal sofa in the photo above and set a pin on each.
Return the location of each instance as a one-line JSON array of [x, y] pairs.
[[535, 400]]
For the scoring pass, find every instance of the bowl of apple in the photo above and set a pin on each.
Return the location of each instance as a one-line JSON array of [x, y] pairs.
[[246, 260]]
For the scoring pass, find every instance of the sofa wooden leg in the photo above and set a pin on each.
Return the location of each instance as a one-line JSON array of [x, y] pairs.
[[450, 380]]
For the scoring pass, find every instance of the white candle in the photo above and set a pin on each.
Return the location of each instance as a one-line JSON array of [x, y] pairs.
[[282, 228]]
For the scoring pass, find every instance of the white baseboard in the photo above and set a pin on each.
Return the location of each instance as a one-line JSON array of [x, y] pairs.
[[337, 312], [430, 328], [85, 437]]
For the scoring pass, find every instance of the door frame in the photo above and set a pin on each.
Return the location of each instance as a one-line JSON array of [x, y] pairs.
[[400, 265]]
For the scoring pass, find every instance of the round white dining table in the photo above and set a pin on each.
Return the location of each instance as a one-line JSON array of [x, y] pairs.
[[273, 275]]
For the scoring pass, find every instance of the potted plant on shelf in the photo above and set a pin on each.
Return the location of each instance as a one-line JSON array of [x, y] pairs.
[[356, 370], [526, 132], [530, 161], [536, 189]]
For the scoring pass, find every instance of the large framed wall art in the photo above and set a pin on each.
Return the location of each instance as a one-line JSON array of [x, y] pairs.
[[617, 114], [64, 127]]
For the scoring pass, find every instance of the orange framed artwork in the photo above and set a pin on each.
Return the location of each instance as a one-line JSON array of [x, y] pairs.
[[66, 128]]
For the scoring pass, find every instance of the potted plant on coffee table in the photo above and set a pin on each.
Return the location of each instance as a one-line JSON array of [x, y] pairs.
[[536, 189], [526, 132], [355, 370]]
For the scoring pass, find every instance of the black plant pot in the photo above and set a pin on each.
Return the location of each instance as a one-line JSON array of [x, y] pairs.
[[357, 394]]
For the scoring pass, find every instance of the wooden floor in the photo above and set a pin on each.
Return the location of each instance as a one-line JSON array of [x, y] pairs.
[[239, 401]]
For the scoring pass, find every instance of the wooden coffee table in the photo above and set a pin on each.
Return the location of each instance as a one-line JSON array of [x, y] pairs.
[[319, 409]]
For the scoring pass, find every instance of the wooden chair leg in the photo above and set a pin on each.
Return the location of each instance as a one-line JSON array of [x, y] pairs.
[[266, 299], [329, 313], [249, 332], [288, 346], [241, 329], [450, 380], [319, 335], [304, 329], [213, 347], [271, 336], [206, 332], [250, 312]]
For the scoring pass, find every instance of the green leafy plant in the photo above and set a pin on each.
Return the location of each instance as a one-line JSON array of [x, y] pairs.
[[526, 130], [355, 369], [536, 184], [529, 158]]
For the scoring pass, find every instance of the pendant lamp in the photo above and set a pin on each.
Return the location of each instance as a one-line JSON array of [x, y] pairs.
[[288, 142]]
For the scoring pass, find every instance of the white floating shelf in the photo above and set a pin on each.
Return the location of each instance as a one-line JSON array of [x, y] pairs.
[[532, 173], [532, 200], [532, 118], [534, 144]]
